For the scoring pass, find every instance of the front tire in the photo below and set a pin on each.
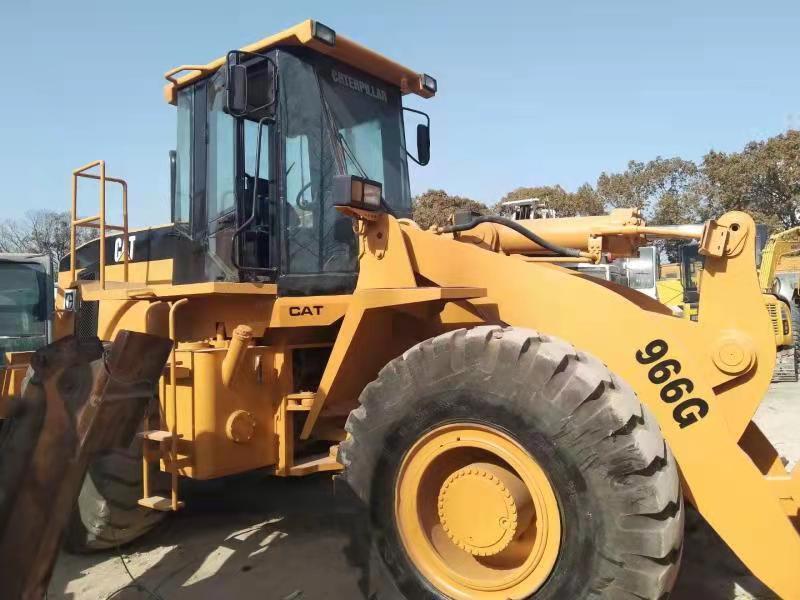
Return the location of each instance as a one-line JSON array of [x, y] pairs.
[[615, 483]]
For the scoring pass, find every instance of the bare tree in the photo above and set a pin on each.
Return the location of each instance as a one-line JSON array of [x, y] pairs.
[[40, 232]]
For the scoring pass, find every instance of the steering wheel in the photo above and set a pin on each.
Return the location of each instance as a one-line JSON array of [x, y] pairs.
[[299, 202]]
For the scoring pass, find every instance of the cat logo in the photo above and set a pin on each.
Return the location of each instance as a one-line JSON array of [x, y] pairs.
[[118, 248], [305, 311], [69, 300]]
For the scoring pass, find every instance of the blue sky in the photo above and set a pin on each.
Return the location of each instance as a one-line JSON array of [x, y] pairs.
[[531, 93]]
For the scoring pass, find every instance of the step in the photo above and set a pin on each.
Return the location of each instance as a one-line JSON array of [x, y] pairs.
[[182, 462], [300, 401], [157, 435], [181, 372], [315, 464], [161, 503]]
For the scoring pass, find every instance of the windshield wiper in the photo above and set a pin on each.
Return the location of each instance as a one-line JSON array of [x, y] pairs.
[[343, 151], [339, 152], [337, 137], [352, 155]]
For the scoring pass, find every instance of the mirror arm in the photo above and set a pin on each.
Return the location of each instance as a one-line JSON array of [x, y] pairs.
[[419, 112], [415, 159], [173, 183]]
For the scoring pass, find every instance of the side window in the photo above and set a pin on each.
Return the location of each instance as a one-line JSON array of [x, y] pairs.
[[221, 137], [298, 184], [180, 212], [250, 150]]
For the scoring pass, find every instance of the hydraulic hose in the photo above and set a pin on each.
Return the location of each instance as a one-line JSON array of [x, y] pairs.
[[511, 224]]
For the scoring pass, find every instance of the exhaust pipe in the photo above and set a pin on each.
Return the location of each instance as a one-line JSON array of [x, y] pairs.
[[237, 349]]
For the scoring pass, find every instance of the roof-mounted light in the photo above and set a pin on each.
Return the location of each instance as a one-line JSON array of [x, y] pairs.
[[428, 83], [323, 33]]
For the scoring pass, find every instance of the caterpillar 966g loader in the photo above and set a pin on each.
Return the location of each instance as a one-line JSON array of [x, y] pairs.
[[514, 429]]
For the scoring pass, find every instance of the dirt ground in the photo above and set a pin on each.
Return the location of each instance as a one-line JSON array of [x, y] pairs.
[[268, 538]]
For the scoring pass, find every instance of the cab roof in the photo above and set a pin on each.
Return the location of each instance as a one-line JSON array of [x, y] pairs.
[[302, 34]]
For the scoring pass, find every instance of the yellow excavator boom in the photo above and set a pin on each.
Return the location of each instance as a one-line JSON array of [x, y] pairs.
[[779, 246]]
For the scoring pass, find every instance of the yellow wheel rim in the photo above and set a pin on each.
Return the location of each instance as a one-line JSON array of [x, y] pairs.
[[476, 514]]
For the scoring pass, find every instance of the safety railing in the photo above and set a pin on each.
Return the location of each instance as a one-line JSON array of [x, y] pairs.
[[98, 221], [167, 433]]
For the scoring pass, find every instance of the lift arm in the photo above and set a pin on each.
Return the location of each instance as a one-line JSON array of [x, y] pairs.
[[703, 380]]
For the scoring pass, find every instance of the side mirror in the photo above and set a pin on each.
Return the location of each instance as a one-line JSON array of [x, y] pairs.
[[237, 90], [423, 139], [423, 144], [251, 88]]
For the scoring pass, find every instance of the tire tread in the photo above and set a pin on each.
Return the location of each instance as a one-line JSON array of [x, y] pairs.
[[618, 439]]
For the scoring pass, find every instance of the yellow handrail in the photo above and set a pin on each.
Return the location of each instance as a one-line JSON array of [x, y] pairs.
[[173, 374], [98, 221], [170, 75]]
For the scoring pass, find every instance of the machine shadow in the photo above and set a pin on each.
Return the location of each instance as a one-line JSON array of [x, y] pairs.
[[249, 536], [710, 570], [256, 536]]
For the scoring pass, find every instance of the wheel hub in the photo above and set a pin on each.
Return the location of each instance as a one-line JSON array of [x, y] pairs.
[[482, 507], [476, 513]]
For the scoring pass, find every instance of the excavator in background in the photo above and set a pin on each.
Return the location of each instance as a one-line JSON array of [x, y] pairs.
[[511, 428], [780, 255], [678, 289], [779, 276], [682, 295]]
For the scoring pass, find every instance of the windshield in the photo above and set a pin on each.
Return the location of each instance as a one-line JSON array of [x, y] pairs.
[[691, 268], [335, 121], [640, 274]]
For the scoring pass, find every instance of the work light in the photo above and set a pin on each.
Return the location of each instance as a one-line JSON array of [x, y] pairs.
[[357, 192], [323, 33], [428, 82]]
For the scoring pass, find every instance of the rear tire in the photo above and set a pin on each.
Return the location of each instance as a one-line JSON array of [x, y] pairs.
[[614, 478], [107, 513]]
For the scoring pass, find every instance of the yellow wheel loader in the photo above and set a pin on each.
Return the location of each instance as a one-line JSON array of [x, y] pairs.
[[504, 441]]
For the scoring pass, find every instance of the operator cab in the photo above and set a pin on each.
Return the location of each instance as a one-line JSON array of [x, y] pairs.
[[263, 136]]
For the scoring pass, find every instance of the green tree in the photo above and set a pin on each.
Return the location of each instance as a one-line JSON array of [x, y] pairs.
[[585, 201], [549, 193], [666, 190], [436, 207], [763, 179]]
